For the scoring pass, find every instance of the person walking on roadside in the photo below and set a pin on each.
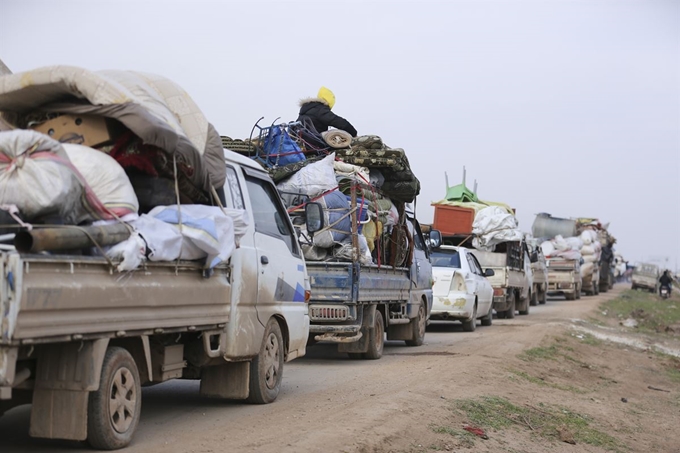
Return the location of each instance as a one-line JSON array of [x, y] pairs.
[[318, 111]]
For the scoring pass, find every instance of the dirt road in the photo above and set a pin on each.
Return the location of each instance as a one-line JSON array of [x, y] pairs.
[[330, 403]]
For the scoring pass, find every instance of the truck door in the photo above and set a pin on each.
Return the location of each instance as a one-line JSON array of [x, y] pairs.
[[421, 268], [281, 269]]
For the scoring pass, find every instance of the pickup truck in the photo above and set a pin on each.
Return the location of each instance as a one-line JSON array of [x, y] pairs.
[[512, 280], [354, 304], [564, 277], [78, 339], [646, 276]]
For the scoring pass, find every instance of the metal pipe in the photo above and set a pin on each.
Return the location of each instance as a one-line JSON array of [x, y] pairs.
[[55, 239]]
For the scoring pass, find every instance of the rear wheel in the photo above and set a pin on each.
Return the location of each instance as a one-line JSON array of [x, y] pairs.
[[578, 292], [544, 297], [266, 370], [470, 325], [418, 326], [488, 319], [114, 408], [570, 296], [376, 338], [526, 303], [534, 298], [510, 312]]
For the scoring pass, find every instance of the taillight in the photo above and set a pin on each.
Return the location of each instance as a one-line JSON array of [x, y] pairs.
[[458, 283], [308, 295], [498, 292]]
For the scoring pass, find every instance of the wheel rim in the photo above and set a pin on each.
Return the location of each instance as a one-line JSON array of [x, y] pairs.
[[421, 322], [271, 361], [379, 333], [123, 402]]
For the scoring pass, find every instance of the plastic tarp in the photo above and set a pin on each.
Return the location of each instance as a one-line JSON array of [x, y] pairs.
[[206, 232], [494, 225], [156, 109]]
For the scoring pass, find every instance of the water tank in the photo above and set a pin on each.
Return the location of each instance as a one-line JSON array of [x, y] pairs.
[[546, 226]]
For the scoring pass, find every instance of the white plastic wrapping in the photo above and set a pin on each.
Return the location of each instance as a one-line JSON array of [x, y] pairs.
[[493, 225], [312, 180]]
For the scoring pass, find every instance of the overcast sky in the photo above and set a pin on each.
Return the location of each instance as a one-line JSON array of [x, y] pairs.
[[567, 107]]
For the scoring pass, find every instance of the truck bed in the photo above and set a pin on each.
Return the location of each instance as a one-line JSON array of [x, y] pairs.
[[47, 298]]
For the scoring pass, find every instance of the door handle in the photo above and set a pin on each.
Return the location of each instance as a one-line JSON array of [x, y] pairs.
[[264, 260]]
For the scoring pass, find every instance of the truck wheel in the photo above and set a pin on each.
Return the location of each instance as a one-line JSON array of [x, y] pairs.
[[534, 298], [544, 297], [266, 370], [510, 312], [570, 296], [114, 408], [469, 325], [418, 326], [596, 289], [578, 292], [376, 339], [488, 319], [526, 303]]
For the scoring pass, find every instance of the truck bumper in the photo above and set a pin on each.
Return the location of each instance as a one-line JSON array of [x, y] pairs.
[[500, 303]]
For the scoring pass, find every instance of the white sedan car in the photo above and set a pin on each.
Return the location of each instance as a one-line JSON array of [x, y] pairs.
[[461, 291]]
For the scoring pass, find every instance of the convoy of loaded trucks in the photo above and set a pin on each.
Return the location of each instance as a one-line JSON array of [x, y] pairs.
[[180, 257]]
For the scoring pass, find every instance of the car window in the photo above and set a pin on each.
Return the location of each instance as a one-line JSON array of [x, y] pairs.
[[473, 265], [480, 271], [234, 189], [269, 216], [446, 259]]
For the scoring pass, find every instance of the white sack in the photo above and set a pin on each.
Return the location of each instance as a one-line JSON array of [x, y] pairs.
[[587, 269], [352, 171], [37, 176], [575, 243], [560, 243], [548, 248], [573, 255], [106, 178], [589, 236], [132, 252], [587, 250], [312, 180], [590, 258], [493, 225]]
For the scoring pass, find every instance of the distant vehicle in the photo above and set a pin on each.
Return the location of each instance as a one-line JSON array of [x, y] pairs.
[[564, 277], [539, 267], [665, 292], [646, 276], [461, 291]]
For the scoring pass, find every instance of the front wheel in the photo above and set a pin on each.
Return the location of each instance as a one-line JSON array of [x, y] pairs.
[[578, 292], [544, 297], [534, 298], [376, 339], [418, 326], [266, 370], [115, 407]]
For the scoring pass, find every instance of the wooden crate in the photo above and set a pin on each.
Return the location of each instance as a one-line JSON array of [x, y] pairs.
[[450, 220]]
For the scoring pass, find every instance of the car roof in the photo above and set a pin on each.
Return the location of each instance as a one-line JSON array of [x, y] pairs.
[[239, 159]]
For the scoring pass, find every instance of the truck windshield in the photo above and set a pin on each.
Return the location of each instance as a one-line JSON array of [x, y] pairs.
[[446, 259]]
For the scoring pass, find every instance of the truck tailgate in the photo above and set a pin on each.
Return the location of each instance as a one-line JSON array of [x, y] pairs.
[[336, 282], [44, 297]]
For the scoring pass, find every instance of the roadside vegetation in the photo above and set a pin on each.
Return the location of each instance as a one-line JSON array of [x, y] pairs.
[[650, 313]]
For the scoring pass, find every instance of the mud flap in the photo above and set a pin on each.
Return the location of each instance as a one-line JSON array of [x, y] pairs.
[[401, 331], [361, 346], [229, 380], [65, 375]]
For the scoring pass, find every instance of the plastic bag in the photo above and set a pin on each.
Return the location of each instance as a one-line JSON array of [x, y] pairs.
[[312, 180], [280, 148]]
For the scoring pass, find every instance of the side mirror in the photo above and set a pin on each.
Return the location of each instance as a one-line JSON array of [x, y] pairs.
[[489, 273], [435, 239], [314, 217]]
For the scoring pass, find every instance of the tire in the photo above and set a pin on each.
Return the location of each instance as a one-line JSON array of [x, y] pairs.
[[266, 370], [596, 289], [534, 298], [418, 326], [488, 319], [510, 312], [544, 297], [570, 296], [633, 287], [469, 325], [526, 303], [119, 392], [500, 314], [578, 292], [377, 338]]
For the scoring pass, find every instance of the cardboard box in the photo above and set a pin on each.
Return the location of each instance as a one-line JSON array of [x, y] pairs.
[[88, 130], [452, 220]]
